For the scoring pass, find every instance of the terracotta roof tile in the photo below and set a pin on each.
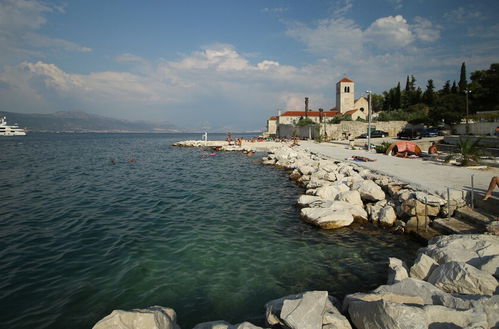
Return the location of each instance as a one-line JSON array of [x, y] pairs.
[[310, 114], [345, 79]]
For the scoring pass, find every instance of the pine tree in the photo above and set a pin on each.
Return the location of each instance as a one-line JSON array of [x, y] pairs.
[[463, 83], [397, 97], [446, 88], [429, 94]]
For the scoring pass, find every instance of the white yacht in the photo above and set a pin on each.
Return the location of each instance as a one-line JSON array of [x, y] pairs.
[[6, 130]]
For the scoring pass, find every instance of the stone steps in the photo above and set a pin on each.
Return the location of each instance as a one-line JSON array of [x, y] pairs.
[[475, 216], [453, 225]]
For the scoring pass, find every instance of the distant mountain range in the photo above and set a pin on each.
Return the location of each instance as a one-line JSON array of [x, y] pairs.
[[78, 121]]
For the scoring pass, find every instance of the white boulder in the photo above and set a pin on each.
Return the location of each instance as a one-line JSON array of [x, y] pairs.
[[352, 197], [474, 249], [369, 190], [386, 315], [154, 317], [423, 266], [387, 216], [458, 277], [397, 270], [329, 192]]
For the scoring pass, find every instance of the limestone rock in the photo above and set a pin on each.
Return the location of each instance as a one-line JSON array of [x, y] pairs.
[[386, 296], [306, 170], [303, 311], [430, 199], [369, 190], [327, 218], [387, 216], [413, 207], [423, 266], [397, 270], [493, 227], [416, 223], [311, 201], [352, 197], [473, 249], [295, 175], [458, 277], [386, 315], [444, 317], [154, 317], [315, 182], [404, 195], [329, 192], [213, 325]]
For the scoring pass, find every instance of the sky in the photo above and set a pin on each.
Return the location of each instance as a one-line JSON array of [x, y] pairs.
[[229, 65]]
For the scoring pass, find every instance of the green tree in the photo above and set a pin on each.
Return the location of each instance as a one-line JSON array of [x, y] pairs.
[[397, 97], [377, 102], [485, 89], [445, 89], [463, 83], [429, 94], [453, 89], [448, 108]]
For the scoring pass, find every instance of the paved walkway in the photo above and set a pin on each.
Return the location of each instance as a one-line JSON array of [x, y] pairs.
[[428, 175]]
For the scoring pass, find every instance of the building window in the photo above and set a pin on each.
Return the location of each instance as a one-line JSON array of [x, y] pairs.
[[362, 109], [347, 89]]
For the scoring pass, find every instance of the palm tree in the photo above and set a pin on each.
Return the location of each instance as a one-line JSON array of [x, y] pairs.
[[468, 150]]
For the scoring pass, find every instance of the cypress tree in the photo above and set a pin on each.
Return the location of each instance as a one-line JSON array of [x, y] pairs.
[[429, 94], [446, 88], [407, 84], [463, 83], [453, 89], [397, 97]]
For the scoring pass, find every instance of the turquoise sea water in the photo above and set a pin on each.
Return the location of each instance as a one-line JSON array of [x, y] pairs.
[[212, 237]]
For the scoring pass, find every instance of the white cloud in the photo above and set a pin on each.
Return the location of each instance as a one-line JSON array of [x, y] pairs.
[[329, 36], [391, 31], [342, 7], [463, 15], [19, 22], [425, 30]]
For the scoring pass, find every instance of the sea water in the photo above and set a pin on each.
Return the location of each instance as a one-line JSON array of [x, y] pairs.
[[95, 222]]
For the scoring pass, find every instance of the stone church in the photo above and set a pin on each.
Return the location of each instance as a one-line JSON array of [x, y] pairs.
[[345, 104]]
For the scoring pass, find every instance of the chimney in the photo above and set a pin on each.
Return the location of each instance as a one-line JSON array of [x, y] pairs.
[[321, 114], [306, 107]]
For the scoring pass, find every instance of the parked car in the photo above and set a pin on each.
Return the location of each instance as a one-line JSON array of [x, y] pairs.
[[430, 132], [409, 133], [375, 134]]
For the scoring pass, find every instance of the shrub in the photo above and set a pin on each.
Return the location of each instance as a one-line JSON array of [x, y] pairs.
[[305, 122], [382, 147]]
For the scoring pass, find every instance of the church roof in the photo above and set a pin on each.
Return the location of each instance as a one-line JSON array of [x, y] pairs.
[[310, 114], [273, 118], [345, 79]]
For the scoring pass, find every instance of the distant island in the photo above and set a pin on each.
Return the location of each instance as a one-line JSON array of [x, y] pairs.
[[79, 121]]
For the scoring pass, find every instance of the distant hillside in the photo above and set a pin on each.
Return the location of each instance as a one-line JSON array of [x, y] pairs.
[[77, 121]]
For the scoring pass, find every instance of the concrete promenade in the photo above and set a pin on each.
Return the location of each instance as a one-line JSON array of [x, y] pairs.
[[425, 174]]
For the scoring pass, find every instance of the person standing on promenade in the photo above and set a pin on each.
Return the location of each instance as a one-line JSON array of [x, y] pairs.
[[493, 183]]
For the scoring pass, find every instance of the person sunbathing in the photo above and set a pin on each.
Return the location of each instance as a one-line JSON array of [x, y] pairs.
[[363, 159]]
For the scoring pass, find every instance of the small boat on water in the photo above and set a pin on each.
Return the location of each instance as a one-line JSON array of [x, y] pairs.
[[6, 130]]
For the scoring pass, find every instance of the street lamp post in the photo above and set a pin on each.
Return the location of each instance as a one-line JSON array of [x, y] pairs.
[[467, 122], [369, 123]]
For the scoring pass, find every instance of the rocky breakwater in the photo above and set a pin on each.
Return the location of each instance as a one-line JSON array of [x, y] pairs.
[[339, 192], [222, 146], [452, 284]]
